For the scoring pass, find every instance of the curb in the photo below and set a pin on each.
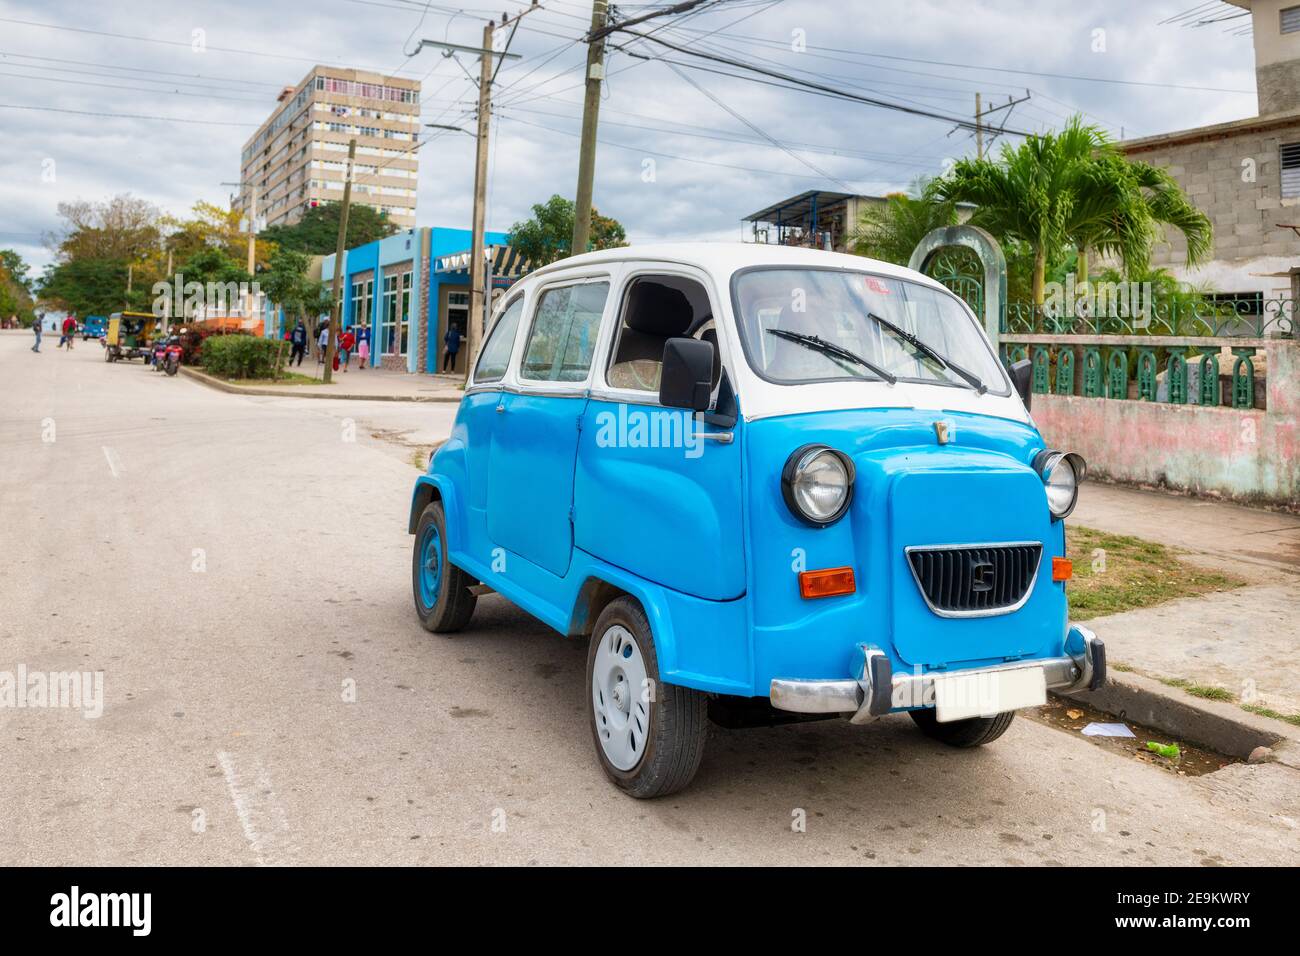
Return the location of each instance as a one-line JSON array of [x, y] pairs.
[[222, 386], [1219, 726]]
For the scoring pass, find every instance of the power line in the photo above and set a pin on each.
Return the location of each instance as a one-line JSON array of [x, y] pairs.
[[808, 84], [135, 89], [1002, 69], [140, 116]]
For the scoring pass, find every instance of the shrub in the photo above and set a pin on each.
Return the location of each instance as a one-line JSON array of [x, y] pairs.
[[239, 356]]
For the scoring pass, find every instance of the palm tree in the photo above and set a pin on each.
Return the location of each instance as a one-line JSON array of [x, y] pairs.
[[1076, 189], [891, 230]]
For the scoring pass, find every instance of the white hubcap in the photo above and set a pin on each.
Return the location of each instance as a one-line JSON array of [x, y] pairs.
[[621, 695]]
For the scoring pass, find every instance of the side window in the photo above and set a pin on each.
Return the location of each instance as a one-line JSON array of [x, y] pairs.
[[494, 358], [563, 336], [656, 309]]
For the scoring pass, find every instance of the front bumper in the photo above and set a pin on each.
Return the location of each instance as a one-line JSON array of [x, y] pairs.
[[876, 690]]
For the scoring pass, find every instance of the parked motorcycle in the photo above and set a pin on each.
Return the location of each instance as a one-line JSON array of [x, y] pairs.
[[167, 354]]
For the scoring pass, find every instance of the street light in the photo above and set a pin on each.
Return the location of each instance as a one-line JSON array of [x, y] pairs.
[[457, 129]]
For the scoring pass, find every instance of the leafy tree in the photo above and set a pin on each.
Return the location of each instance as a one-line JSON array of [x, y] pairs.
[[15, 287], [1074, 189], [892, 230], [285, 283], [211, 226], [85, 286], [547, 236], [15, 268], [122, 229], [317, 232]]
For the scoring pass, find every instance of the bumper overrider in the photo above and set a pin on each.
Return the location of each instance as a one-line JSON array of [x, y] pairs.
[[875, 689]]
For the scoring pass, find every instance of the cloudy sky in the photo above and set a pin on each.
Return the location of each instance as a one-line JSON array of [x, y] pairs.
[[156, 97]]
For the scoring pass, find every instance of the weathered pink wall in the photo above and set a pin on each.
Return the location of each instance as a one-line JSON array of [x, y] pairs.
[[1250, 455]]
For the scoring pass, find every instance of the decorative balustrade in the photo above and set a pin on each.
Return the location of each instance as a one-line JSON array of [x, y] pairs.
[[1173, 354], [1181, 316]]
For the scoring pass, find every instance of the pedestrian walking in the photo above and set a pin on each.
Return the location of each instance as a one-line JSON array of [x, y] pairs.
[[298, 340], [452, 342], [323, 340], [39, 328], [363, 345], [347, 341], [69, 332]]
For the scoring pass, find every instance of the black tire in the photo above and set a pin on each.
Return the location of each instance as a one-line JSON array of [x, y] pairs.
[[455, 601], [108, 355], [171, 366], [973, 732], [678, 719]]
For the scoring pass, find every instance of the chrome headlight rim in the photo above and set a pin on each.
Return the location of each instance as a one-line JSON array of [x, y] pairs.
[[1046, 462], [799, 460]]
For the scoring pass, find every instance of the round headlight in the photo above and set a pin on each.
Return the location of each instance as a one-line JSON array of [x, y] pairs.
[[817, 484], [1061, 475]]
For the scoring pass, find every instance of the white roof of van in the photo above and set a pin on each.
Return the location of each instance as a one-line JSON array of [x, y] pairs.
[[727, 257]]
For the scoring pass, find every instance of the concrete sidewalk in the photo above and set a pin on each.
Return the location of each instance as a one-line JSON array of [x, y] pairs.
[[1243, 641], [373, 384], [1250, 542]]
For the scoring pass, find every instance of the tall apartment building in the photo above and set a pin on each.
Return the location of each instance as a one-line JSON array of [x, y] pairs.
[[298, 158]]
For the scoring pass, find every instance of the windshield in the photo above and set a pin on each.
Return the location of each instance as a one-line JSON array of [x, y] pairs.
[[781, 310]]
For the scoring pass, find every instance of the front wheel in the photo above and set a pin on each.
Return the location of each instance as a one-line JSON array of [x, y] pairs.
[[443, 599], [649, 735], [972, 732], [171, 366]]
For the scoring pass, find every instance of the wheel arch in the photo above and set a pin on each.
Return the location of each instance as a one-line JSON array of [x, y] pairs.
[[599, 589], [431, 488]]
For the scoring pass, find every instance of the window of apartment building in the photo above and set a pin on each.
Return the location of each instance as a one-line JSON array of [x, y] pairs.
[[1290, 155], [1290, 17]]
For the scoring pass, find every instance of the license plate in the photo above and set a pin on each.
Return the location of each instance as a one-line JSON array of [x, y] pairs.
[[959, 696]]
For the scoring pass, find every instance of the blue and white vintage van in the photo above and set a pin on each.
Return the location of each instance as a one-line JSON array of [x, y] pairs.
[[764, 483]]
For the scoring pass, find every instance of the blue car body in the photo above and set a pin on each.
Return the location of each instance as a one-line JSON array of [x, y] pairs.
[[545, 511]]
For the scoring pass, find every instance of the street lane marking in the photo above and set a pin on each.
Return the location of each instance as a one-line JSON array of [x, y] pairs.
[[263, 820], [114, 463]]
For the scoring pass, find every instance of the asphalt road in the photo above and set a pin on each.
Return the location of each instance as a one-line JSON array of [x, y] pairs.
[[237, 569]]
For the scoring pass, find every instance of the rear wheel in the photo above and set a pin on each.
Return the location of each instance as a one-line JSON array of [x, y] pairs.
[[972, 732], [649, 735], [443, 599]]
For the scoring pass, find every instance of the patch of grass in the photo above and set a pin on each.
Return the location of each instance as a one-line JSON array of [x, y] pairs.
[[286, 378], [1270, 712], [1116, 572], [1206, 691]]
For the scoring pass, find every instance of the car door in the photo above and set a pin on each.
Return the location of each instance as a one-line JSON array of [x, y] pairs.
[[658, 490], [535, 438], [478, 412]]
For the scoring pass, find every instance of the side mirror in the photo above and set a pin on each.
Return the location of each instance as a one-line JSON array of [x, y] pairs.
[[687, 378], [1022, 374]]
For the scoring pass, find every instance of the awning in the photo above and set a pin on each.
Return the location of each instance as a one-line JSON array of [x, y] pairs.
[[503, 262]]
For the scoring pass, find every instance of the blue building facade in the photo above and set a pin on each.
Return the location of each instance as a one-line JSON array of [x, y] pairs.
[[407, 290]]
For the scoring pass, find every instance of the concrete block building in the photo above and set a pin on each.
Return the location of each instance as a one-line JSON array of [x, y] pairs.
[[1245, 175]]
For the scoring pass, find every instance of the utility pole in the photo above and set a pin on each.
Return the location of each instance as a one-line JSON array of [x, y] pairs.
[[997, 131], [340, 247], [477, 296], [167, 312], [252, 249], [590, 119], [490, 61]]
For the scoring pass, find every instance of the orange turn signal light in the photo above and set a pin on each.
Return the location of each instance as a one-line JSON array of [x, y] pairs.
[[1062, 569], [826, 583]]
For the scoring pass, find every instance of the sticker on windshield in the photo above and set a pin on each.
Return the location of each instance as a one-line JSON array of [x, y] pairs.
[[875, 285]]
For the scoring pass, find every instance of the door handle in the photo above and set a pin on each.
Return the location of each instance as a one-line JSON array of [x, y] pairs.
[[722, 438]]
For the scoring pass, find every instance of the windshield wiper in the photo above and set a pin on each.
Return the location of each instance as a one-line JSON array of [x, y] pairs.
[[819, 344], [971, 378]]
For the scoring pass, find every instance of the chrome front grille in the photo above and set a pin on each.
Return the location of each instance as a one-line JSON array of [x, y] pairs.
[[975, 580]]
